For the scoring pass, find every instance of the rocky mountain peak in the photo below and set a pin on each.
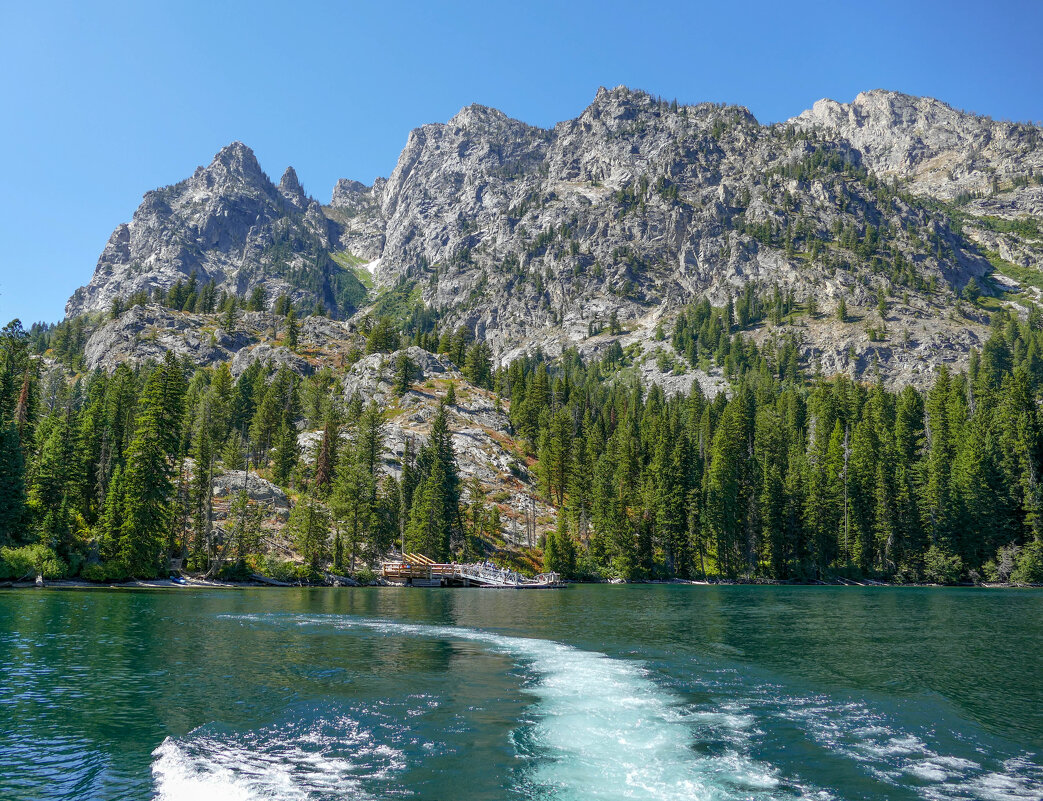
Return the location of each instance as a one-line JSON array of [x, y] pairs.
[[620, 102], [890, 112], [234, 163], [478, 116], [346, 188], [230, 226], [291, 189], [350, 194], [536, 238], [942, 151]]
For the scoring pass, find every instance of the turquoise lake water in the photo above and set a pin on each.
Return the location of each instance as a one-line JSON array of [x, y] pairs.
[[593, 692]]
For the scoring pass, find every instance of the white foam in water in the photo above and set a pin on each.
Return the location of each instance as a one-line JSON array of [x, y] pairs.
[[903, 759], [286, 764], [604, 730], [601, 729]]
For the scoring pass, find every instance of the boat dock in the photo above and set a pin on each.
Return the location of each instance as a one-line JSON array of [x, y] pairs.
[[416, 570]]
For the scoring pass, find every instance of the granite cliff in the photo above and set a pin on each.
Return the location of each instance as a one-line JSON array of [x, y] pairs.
[[601, 229]]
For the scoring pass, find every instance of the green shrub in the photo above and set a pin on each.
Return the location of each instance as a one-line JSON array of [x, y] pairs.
[[30, 561], [365, 575], [235, 571], [104, 572], [283, 570], [942, 567], [1029, 565], [95, 571]]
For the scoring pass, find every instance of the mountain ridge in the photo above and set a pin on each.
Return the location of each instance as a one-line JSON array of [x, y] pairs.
[[536, 237]]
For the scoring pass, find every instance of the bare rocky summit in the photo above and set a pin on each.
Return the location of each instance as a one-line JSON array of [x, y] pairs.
[[229, 225], [938, 150]]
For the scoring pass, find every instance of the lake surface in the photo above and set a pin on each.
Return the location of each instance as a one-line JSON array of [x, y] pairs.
[[594, 692]]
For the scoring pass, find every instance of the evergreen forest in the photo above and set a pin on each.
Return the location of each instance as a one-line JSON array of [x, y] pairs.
[[787, 476]]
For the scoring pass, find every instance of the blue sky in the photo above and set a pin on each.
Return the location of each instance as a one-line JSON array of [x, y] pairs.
[[103, 101]]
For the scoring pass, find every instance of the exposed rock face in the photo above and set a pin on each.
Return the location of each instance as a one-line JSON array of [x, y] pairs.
[[372, 377], [942, 152], [259, 491], [146, 333], [356, 209], [228, 224], [291, 189], [535, 238], [276, 356], [478, 424]]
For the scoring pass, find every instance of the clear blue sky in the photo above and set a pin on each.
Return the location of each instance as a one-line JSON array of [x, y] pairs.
[[102, 101]]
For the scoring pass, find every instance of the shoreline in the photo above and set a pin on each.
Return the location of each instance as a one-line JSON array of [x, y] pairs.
[[196, 584]]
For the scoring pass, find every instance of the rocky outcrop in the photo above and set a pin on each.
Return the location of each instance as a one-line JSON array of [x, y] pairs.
[[938, 150], [273, 501], [479, 424], [259, 490], [146, 333], [269, 355], [372, 378]]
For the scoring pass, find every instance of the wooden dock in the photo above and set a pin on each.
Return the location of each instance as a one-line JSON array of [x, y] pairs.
[[416, 570]]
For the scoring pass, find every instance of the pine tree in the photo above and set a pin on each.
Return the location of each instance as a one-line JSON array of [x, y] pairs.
[[293, 330], [478, 520], [201, 499], [434, 517], [12, 486], [353, 505], [578, 491], [1019, 444], [551, 560], [110, 524], [245, 533], [478, 365], [148, 478], [566, 546], [725, 511], [51, 473], [429, 529], [369, 436], [309, 529], [326, 459], [404, 370], [940, 499], [258, 299], [229, 318], [773, 521], [233, 456], [286, 453]]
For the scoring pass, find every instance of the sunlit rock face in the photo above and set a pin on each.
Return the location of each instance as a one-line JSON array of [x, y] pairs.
[[538, 238]]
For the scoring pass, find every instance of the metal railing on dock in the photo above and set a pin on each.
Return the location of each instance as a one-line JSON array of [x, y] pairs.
[[419, 571]]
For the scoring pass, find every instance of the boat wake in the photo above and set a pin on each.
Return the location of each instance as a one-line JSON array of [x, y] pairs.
[[904, 759], [324, 758], [602, 728]]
